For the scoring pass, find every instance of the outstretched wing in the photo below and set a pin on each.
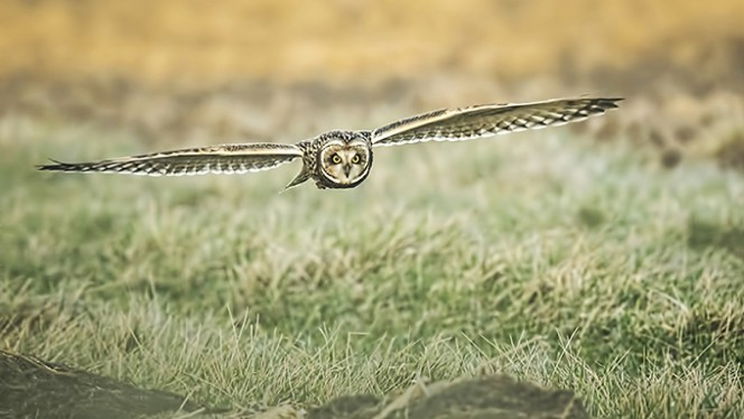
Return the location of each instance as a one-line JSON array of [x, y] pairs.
[[225, 159], [487, 120]]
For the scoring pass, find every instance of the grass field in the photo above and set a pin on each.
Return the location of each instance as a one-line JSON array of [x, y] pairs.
[[545, 256]]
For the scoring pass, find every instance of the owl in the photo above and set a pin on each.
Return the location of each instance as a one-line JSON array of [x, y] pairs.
[[343, 158]]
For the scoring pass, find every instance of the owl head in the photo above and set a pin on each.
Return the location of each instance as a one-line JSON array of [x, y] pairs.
[[344, 159]]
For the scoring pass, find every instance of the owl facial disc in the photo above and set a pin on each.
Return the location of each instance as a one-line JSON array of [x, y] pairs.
[[344, 163]]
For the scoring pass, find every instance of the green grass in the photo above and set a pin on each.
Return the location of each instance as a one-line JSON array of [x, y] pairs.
[[541, 255]]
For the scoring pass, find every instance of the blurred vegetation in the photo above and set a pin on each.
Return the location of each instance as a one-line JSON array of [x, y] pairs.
[[200, 40]]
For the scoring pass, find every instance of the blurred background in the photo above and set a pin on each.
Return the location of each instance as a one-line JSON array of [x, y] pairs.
[[187, 71]]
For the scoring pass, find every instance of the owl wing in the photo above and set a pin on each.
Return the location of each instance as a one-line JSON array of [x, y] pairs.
[[224, 159], [488, 120]]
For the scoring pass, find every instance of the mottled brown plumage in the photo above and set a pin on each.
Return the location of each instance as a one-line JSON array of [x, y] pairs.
[[343, 159]]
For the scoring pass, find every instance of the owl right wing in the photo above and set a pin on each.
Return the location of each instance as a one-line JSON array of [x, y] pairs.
[[488, 120], [222, 159]]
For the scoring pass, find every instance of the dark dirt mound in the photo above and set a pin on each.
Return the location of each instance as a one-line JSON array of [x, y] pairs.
[[30, 387], [482, 397]]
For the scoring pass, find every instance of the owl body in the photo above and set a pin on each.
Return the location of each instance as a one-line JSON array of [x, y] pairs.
[[342, 159]]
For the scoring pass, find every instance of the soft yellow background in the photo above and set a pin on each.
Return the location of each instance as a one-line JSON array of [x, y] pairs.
[[207, 40]]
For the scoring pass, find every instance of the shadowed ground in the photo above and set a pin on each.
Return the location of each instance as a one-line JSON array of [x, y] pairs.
[[489, 397], [30, 387]]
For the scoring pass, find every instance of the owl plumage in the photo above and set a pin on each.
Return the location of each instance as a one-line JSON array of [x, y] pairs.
[[343, 159]]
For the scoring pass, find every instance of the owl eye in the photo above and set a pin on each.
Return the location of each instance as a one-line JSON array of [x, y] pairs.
[[336, 159], [356, 159]]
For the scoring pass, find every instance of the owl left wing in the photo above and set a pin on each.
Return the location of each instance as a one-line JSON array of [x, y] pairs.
[[488, 120], [220, 159]]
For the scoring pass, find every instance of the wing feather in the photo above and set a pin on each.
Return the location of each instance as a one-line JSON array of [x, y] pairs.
[[222, 159], [488, 120]]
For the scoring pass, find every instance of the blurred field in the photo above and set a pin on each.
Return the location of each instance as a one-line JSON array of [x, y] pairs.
[[604, 257], [200, 41]]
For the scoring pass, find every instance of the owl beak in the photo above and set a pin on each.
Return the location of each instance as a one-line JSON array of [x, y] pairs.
[[347, 169]]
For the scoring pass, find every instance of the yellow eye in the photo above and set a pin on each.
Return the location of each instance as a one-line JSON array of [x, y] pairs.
[[356, 159], [336, 159]]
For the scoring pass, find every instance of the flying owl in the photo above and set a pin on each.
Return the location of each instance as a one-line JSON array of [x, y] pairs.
[[342, 158]]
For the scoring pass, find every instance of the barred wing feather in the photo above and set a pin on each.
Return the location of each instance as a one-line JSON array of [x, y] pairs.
[[221, 159], [488, 120]]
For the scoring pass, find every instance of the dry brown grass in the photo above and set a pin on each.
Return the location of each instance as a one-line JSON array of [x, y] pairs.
[[342, 39]]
